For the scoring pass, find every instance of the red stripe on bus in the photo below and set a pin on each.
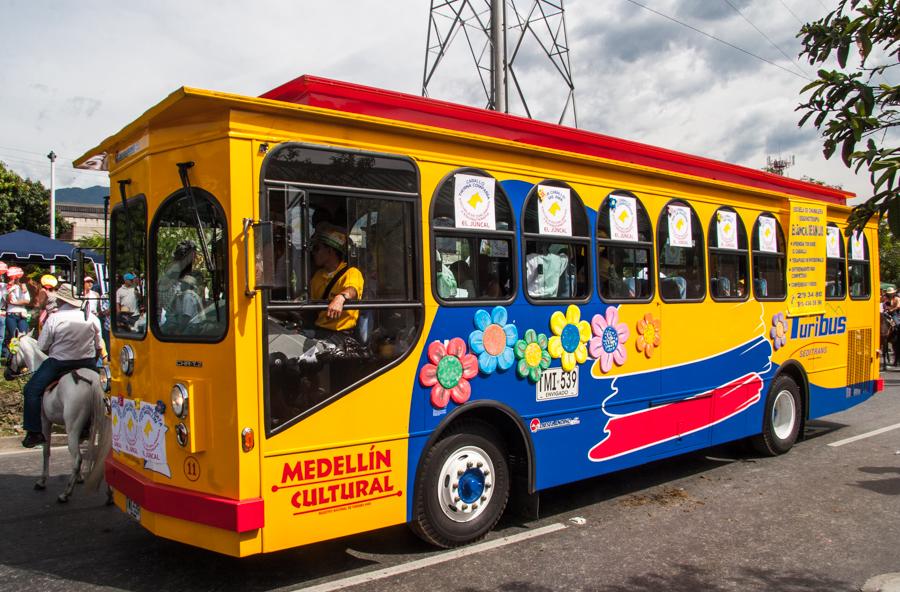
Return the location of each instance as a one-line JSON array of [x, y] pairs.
[[228, 514], [648, 427], [365, 100]]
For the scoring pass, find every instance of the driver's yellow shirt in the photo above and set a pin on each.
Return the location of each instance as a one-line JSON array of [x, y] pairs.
[[351, 278]]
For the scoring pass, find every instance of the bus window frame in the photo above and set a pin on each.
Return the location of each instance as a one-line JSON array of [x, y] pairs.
[[867, 262], [417, 285], [703, 251], [781, 255], [113, 242], [842, 259], [586, 241], [454, 232], [151, 296], [710, 251], [608, 242]]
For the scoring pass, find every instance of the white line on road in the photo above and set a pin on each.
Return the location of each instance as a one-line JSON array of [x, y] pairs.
[[434, 560], [866, 435]]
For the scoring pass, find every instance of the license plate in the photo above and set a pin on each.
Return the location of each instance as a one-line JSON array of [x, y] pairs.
[[556, 383], [133, 509]]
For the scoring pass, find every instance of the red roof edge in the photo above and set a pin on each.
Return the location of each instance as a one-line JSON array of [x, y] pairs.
[[366, 100]]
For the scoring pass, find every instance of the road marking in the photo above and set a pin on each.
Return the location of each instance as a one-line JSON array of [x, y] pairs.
[[428, 561], [866, 435]]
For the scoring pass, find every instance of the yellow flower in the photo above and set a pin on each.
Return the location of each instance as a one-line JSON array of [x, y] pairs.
[[570, 334]]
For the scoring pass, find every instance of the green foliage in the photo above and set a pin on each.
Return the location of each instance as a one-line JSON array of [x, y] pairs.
[[25, 205], [889, 254], [855, 107]]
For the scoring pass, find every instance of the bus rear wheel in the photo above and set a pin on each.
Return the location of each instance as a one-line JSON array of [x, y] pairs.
[[781, 419], [463, 486]]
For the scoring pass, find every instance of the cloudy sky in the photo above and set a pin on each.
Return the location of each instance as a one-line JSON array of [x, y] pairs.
[[73, 73]]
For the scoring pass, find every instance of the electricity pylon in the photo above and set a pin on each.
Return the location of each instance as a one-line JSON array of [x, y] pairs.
[[498, 33]]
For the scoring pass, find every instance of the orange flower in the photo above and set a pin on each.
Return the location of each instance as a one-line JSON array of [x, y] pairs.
[[648, 330]]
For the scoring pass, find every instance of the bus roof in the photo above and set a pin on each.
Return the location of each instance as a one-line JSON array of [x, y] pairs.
[[365, 100], [355, 99]]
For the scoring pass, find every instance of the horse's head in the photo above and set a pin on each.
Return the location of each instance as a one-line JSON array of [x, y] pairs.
[[21, 348]]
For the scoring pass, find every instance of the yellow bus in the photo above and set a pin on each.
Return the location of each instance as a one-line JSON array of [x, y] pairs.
[[337, 308]]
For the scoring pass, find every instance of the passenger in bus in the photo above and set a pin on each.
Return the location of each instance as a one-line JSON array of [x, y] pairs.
[[186, 303], [544, 272], [127, 303]]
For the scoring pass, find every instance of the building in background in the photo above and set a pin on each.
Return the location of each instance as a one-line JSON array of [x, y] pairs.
[[86, 220]]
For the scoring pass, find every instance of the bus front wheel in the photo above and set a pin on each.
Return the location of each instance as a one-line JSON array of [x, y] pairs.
[[463, 486], [781, 419]]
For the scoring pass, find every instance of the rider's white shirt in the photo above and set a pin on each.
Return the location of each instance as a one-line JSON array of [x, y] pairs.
[[67, 335]]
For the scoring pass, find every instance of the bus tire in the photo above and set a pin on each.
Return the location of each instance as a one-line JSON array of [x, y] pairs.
[[781, 418], [463, 486]]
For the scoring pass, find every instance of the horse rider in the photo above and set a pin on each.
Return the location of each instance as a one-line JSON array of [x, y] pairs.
[[72, 339]]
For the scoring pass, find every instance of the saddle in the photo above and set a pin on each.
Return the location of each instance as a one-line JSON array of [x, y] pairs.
[[75, 376]]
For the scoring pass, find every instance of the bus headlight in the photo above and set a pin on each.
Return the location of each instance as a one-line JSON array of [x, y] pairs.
[[180, 400], [105, 379], [126, 360]]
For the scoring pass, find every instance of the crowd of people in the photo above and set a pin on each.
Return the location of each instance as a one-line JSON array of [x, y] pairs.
[[73, 331]]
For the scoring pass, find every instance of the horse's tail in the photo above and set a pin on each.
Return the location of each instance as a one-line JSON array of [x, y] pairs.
[[100, 440]]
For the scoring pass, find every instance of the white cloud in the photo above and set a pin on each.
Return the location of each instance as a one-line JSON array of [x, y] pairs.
[[98, 64]]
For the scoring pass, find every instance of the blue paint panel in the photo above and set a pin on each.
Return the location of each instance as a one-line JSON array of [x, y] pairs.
[[825, 401]]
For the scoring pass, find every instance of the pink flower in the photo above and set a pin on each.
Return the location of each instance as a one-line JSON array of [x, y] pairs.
[[449, 372], [608, 343]]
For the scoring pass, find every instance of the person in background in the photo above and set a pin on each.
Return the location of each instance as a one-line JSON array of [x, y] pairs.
[[45, 302], [72, 340], [91, 297], [3, 270], [127, 303], [18, 298]]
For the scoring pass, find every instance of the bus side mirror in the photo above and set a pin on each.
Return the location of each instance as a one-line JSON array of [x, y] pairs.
[[77, 271], [264, 257]]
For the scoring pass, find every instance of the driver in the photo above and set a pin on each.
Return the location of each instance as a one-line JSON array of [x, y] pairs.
[[72, 339]]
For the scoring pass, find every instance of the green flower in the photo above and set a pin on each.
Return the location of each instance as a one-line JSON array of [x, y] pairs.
[[532, 355]]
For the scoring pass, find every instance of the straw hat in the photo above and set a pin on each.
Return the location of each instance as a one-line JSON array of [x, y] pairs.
[[331, 236], [67, 295]]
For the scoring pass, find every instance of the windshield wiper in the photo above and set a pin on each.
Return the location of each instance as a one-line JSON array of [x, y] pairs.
[[183, 168]]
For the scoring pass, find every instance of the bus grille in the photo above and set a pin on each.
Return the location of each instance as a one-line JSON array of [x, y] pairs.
[[859, 363]]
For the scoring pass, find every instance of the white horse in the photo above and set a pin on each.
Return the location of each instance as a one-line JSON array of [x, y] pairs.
[[73, 402]]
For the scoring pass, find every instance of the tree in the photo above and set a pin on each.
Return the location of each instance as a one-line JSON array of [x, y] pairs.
[[25, 205], [855, 107], [888, 254]]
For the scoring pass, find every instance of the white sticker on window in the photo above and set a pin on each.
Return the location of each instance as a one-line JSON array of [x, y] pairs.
[[473, 202], [832, 242], [857, 252], [623, 218], [554, 210], [767, 240], [680, 226], [726, 224]]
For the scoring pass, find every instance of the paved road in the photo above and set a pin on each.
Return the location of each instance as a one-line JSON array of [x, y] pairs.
[[820, 518]]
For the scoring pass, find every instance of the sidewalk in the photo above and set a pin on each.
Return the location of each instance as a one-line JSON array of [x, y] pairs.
[[13, 443]]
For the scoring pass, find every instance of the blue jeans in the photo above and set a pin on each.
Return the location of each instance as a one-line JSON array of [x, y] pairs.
[[14, 322], [46, 373], [3, 335]]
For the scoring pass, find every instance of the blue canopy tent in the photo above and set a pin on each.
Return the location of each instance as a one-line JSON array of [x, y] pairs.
[[28, 247]]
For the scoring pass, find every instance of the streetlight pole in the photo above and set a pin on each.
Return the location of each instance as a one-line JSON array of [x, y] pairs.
[[52, 157]]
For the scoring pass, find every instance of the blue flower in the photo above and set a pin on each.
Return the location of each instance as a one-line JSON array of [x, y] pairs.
[[494, 340]]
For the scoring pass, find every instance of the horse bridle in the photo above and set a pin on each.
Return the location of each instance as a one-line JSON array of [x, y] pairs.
[[11, 372]]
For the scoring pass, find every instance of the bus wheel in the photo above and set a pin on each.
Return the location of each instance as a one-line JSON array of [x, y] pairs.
[[463, 486], [781, 422]]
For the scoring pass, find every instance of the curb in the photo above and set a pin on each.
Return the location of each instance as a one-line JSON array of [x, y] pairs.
[[15, 442]]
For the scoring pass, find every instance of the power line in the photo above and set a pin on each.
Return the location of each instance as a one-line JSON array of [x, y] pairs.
[[722, 41], [793, 14], [766, 37], [35, 162]]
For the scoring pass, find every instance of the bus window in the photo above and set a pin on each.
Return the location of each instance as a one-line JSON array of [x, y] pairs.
[[858, 266], [727, 256], [624, 249], [769, 276], [129, 238], [835, 262], [189, 246], [350, 303], [679, 241], [557, 242], [473, 238]]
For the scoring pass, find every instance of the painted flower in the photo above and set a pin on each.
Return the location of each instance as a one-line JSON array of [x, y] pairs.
[[570, 334], [648, 330], [608, 343], [778, 333], [449, 372], [493, 341], [533, 355]]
